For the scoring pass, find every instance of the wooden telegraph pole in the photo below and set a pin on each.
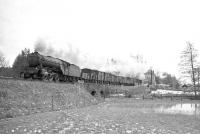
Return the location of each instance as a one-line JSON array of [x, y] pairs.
[[198, 70]]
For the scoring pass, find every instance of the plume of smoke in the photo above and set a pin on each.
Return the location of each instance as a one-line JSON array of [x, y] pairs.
[[131, 66], [40, 46], [73, 54], [69, 53]]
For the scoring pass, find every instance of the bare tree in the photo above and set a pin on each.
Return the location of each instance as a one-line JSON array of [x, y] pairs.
[[3, 61], [189, 63]]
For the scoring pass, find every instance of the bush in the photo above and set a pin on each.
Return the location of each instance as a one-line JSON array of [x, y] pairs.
[[8, 115], [3, 94], [7, 72]]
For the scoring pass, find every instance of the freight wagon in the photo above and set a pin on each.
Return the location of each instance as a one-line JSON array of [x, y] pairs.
[[93, 76]]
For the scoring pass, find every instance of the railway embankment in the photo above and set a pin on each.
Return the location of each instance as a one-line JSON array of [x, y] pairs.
[[25, 97], [19, 97]]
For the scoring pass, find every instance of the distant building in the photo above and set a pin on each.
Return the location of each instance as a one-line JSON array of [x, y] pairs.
[[150, 77]]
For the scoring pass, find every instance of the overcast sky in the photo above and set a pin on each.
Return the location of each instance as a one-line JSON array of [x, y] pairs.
[[103, 29]]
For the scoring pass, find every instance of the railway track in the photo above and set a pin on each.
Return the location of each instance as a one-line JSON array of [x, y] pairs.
[[46, 81], [30, 79]]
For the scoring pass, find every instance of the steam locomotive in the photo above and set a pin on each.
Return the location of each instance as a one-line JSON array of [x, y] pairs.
[[53, 69]]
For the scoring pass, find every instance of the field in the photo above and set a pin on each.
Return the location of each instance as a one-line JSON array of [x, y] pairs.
[[121, 115], [43, 107]]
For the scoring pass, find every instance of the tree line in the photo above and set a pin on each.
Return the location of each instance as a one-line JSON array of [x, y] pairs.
[[156, 78], [19, 64]]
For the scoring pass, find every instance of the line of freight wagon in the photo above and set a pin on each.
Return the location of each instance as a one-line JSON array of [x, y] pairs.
[[53, 69]]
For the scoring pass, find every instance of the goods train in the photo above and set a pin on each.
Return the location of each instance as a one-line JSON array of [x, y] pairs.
[[53, 69]]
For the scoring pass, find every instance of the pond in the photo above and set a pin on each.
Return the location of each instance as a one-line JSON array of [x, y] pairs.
[[186, 109]]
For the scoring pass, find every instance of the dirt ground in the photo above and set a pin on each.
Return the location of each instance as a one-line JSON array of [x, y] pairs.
[[115, 115]]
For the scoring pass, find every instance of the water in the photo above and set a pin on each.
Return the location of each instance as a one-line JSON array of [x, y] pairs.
[[185, 109]]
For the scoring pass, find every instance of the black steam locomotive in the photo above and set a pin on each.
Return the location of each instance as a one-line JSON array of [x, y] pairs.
[[53, 69]]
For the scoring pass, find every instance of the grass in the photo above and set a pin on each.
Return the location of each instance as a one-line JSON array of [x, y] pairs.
[[18, 97]]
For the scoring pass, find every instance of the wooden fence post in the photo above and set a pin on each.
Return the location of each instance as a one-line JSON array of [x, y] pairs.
[[52, 108]]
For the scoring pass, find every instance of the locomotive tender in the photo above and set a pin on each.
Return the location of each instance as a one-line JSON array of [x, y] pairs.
[[54, 69]]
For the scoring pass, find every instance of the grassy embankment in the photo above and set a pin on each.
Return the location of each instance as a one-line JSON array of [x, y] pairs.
[[18, 97]]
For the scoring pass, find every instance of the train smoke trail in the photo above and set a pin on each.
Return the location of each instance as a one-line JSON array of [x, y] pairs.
[[131, 66], [128, 67], [69, 53]]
